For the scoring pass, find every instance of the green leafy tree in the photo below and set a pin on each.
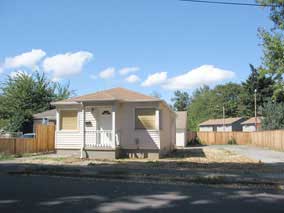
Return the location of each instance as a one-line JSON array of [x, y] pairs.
[[206, 103], [181, 100], [24, 95], [200, 107], [273, 47], [273, 116], [227, 95]]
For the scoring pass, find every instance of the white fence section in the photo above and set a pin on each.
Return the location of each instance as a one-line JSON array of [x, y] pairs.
[[101, 139]]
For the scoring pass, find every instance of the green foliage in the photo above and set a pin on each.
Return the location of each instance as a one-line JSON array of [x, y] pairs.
[[227, 95], [195, 141], [265, 89], [24, 95], [200, 108], [232, 141], [181, 100], [273, 116], [206, 103], [273, 47]]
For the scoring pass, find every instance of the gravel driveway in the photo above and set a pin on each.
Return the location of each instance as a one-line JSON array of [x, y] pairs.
[[255, 153]]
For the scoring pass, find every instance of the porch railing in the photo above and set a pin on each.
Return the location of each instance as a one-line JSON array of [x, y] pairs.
[[101, 139]]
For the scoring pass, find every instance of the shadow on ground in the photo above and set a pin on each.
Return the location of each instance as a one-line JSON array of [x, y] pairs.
[[53, 194]]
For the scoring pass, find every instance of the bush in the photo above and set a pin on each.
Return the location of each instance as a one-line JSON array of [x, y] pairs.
[[195, 141], [232, 141]]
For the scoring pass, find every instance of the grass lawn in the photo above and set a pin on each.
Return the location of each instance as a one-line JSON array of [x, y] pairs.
[[4, 156]]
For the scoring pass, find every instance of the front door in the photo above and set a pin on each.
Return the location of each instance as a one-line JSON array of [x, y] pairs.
[[105, 126]]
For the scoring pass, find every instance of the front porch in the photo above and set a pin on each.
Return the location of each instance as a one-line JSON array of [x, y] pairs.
[[98, 127]]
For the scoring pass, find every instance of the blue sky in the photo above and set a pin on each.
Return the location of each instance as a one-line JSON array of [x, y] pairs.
[[160, 45]]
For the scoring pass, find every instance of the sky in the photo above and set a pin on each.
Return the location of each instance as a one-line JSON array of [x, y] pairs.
[[145, 45]]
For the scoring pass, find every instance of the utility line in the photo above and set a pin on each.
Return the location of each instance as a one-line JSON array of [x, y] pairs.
[[233, 3]]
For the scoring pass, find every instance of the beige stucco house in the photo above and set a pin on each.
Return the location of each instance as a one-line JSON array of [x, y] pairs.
[[114, 123]]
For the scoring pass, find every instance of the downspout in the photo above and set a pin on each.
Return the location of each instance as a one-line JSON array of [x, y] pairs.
[[84, 131]]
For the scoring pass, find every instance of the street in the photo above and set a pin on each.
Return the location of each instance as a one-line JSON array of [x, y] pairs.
[[61, 194]]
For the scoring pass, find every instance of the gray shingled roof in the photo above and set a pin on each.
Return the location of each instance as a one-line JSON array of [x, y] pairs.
[[50, 114], [220, 121]]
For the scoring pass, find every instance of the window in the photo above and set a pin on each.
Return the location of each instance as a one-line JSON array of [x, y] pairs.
[[145, 118], [69, 120]]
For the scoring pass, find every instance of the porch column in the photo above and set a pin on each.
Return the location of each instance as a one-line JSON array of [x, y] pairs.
[[113, 124], [57, 120], [83, 130], [157, 119]]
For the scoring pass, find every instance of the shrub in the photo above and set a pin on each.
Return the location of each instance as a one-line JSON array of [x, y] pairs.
[[195, 141], [232, 141]]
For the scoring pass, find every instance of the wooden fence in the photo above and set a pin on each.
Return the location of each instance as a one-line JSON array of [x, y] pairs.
[[43, 142], [270, 139]]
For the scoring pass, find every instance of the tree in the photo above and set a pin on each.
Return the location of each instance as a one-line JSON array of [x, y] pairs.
[[206, 103], [273, 116], [227, 95], [24, 95], [264, 87], [181, 100], [273, 47], [200, 108]]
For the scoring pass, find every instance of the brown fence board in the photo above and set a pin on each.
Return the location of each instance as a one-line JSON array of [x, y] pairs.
[[273, 139], [44, 142]]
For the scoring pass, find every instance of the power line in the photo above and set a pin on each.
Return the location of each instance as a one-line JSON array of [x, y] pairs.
[[233, 3]]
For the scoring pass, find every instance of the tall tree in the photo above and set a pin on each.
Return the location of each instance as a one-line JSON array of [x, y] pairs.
[[264, 87], [227, 96], [24, 95], [273, 47], [181, 100]]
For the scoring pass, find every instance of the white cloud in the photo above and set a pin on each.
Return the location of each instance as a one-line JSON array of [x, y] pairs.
[[203, 75], [155, 79], [14, 74], [127, 70], [66, 64], [27, 60], [107, 73], [132, 79]]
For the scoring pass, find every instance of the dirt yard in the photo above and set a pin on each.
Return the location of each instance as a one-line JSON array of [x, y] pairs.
[[195, 155]]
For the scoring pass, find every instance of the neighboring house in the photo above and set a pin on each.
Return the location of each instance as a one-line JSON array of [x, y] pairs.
[[114, 123], [46, 117], [181, 128], [249, 125], [221, 125]]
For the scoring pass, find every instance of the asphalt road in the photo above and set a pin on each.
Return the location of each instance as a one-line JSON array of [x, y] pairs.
[[57, 194]]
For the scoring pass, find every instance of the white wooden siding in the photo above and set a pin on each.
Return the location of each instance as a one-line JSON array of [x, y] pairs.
[[249, 128]]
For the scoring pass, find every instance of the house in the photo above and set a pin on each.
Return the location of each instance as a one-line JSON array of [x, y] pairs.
[[46, 117], [252, 124], [114, 123], [181, 128], [221, 125]]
